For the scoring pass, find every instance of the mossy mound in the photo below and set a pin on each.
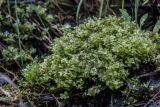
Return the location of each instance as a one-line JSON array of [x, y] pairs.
[[99, 54]]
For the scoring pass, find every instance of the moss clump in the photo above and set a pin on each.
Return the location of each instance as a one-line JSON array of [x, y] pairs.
[[25, 33], [96, 55]]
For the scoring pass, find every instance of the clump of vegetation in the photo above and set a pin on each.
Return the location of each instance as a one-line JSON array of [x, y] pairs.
[[97, 55], [26, 31]]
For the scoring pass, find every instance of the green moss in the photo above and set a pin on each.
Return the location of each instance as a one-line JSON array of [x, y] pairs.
[[96, 55], [25, 33]]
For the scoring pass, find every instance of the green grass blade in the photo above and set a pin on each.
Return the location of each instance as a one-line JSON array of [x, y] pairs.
[[136, 10], [78, 10], [157, 27], [101, 8]]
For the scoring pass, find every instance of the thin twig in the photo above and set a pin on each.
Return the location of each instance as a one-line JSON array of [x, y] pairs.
[[152, 99]]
